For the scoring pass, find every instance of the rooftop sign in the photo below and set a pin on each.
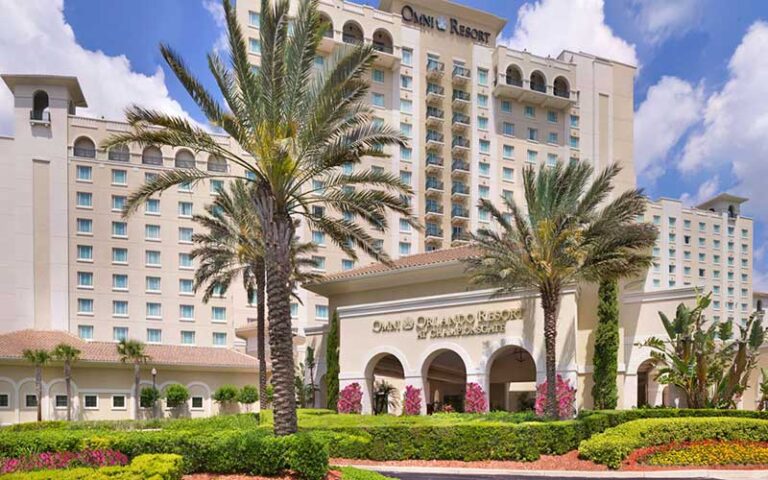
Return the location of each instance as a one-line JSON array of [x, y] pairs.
[[440, 23]]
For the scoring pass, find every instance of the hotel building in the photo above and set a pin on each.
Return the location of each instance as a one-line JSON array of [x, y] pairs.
[[476, 114]]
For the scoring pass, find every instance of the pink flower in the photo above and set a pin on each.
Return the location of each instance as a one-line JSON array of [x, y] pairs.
[[350, 399], [566, 398], [474, 399], [412, 400]]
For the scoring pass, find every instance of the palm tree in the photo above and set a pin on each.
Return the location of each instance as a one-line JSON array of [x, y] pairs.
[[298, 126], [69, 355], [570, 233], [39, 358], [232, 247], [132, 351]]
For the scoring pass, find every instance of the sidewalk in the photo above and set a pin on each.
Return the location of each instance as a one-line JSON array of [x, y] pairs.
[[468, 473]]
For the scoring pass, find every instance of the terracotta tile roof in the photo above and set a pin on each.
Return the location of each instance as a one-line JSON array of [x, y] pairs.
[[14, 343], [411, 261]]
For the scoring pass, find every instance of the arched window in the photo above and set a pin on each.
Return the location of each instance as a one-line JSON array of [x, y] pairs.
[[84, 147], [184, 159], [40, 106], [382, 41], [152, 156], [216, 164], [561, 88], [538, 82], [352, 33], [514, 76], [329, 25], [119, 153]]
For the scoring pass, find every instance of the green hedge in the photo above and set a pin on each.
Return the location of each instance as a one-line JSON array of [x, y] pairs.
[[244, 421], [614, 445], [144, 467]]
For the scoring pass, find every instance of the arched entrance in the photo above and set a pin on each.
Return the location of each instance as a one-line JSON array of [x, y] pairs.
[[445, 380], [649, 392], [386, 382], [511, 379]]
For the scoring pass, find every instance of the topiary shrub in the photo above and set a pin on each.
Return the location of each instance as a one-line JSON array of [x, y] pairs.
[[412, 400], [148, 397], [226, 394], [176, 395], [248, 395], [474, 399], [350, 399], [566, 398]]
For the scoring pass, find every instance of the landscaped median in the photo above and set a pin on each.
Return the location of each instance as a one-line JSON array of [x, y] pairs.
[[616, 444]]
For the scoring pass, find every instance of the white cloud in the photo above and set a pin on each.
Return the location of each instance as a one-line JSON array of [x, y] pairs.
[[661, 19], [216, 9], [548, 27], [670, 108], [36, 39], [706, 190]]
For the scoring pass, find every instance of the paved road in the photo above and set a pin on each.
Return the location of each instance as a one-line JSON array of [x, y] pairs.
[[435, 476]]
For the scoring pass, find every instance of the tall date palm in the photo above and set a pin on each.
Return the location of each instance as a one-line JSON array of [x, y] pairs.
[[38, 358], [69, 355], [232, 247], [132, 351], [570, 233], [298, 126]]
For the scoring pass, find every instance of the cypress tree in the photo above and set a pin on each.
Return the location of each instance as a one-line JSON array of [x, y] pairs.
[[332, 362], [604, 391]]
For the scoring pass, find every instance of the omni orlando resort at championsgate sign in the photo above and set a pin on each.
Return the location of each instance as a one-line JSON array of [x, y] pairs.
[[459, 325], [439, 23]]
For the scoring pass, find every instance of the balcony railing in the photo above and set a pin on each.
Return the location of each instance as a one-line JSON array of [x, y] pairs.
[[117, 156], [383, 47], [460, 142], [459, 189], [434, 160], [461, 72], [435, 66], [511, 80], [460, 237], [459, 212], [433, 136], [433, 112], [459, 166], [461, 95], [433, 232], [84, 152], [434, 208], [40, 116], [353, 39], [433, 184], [461, 118]]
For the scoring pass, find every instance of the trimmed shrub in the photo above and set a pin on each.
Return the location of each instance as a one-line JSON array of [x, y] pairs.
[[566, 398], [474, 399], [605, 392], [148, 397], [248, 395], [152, 467], [59, 460], [350, 399], [226, 394], [333, 367], [176, 395], [412, 400], [614, 445]]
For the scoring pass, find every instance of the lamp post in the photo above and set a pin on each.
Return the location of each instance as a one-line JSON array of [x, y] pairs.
[[154, 389]]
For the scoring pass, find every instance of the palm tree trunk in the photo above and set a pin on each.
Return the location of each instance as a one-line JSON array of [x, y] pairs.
[[39, 388], [550, 302], [68, 383], [136, 380], [260, 340]]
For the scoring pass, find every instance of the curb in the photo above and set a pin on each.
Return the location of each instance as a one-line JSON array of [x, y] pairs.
[[473, 472]]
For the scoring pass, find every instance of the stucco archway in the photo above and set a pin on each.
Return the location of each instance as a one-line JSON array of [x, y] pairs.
[[444, 374], [385, 370], [511, 375]]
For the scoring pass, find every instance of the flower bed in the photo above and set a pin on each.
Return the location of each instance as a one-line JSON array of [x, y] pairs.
[[704, 453], [155, 467], [59, 460]]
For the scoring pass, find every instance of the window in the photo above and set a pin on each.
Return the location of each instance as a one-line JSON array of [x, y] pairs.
[[119, 177], [485, 146], [84, 173], [119, 308], [533, 134], [85, 253], [508, 174], [405, 227], [406, 82], [406, 154], [483, 214], [84, 199], [254, 19], [254, 45], [485, 169], [377, 75], [216, 186], [85, 306], [187, 337], [153, 284], [574, 142], [482, 100], [119, 333], [716, 228], [219, 340], [294, 310], [533, 156], [406, 177], [84, 280], [318, 237], [186, 286], [197, 401], [218, 314], [508, 128], [85, 332], [508, 151], [744, 233], [552, 137], [152, 232], [319, 262], [118, 202], [186, 187], [60, 401], [91, 401], [687, 224], [187, 312], [404, 248], [185, 209], [119, 281], [120, 255], [406, 129], [150, 177], [485, 191], [120, 229], [482, 76], [551, 116], [185, 234], [321, 312], [84, 226], [574, 121], [154, 335], [407, 57], [551, 159], [118, 402], [406, 106], [506, 106], [154, 310], [377, 99], [482, 123], [529, 111], [30, 401], [185, 260], [152, 258], [152, 206], [347, 264]]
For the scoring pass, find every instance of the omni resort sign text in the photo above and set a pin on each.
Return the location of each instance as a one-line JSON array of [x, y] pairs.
[[439, 23], [459, 325]]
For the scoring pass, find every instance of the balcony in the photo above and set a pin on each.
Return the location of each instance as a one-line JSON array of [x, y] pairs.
[[459, 214], [40, 117], [435, 94], [434, 186], [435, 69], [461, 99], [460, 145], [435, 140], [84, 152], [460, 238], [459, 168], [434, 117], [459, 191], [434, 163], [460, 122], [433, 210], [433, 233], [536, 94], [461, 75]]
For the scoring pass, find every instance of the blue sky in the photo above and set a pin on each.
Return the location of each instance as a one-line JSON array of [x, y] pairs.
[[701, 92]]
